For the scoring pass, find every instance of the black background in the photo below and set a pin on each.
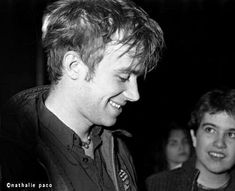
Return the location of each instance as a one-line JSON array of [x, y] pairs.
[[199, 56]]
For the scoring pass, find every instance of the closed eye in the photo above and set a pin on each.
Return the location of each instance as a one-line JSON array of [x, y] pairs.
[[124, 77]]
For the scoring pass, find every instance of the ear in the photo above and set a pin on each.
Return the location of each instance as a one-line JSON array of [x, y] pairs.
[[193, 136], [73, 65]]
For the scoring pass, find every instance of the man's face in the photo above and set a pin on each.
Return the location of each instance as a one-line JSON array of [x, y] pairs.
[[215, 143], [112, 85]]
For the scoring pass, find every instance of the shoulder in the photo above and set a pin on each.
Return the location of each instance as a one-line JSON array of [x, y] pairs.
[[25, 97], [18, 136], [21, 108], [19, 120], [166, 180], [164, 175]]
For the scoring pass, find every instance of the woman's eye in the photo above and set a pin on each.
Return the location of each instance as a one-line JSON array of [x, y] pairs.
[[231, 134], [209, 130], [185, 141], [172, 143]]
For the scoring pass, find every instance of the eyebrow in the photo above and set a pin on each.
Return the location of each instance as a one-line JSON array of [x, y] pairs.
[[172, 140], [129, 70], [211, 124]]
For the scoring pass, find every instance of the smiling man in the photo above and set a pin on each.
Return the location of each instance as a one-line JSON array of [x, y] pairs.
[[55, 135], [213, 134]]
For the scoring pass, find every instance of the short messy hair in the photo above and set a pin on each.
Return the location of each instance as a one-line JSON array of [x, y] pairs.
[[214, 101], [87, 26]]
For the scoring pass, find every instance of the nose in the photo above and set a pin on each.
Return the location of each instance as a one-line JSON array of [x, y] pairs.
[[180, 147], [132, 92], [219, 142]]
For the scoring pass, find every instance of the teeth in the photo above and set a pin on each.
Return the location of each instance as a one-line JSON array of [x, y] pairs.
[[218, 155], [115, 105]]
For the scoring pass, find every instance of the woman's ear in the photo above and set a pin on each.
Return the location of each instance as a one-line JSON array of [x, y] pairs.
[[193, 136]]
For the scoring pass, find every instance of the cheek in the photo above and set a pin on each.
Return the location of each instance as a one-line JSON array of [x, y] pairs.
[[201, 140], [188, 149], [170, 151], [198, 143], [112, 87], [231, 149], [201, 146]]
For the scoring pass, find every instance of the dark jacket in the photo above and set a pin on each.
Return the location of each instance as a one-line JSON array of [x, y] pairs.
[[181, 179], [26, 156]]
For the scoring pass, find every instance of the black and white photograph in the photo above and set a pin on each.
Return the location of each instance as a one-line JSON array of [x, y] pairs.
[[117, 95]]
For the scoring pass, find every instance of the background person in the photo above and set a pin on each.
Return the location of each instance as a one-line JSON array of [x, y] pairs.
[[174, 148], [213, 134]]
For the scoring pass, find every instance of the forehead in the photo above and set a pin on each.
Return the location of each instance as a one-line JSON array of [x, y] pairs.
[[221, 120], [177, 133]]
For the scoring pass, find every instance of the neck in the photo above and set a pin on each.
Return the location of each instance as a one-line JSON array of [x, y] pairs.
[[61, 104], [212, 180], [173, 165]]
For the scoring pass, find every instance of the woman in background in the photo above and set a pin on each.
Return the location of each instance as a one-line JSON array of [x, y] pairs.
[[175, 149]]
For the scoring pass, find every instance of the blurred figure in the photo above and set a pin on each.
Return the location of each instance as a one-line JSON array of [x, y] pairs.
[[213, 135], [175, 148], [178, 147]]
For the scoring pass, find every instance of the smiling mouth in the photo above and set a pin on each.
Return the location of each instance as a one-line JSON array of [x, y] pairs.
[[217, 155], [117, 106]]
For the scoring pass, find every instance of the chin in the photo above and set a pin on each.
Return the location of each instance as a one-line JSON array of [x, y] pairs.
[[218, 170], [109, 122]]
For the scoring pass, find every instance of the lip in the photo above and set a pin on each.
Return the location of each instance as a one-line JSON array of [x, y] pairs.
[[183, 154], [116, 105], [216, 155]]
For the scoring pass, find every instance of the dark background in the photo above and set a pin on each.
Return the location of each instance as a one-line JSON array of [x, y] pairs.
[[199, 56]]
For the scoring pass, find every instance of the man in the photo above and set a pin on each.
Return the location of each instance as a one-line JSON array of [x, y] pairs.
[[52, 137], [213, 134]]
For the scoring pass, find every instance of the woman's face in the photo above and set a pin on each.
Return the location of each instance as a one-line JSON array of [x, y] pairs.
[[177, 148]]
